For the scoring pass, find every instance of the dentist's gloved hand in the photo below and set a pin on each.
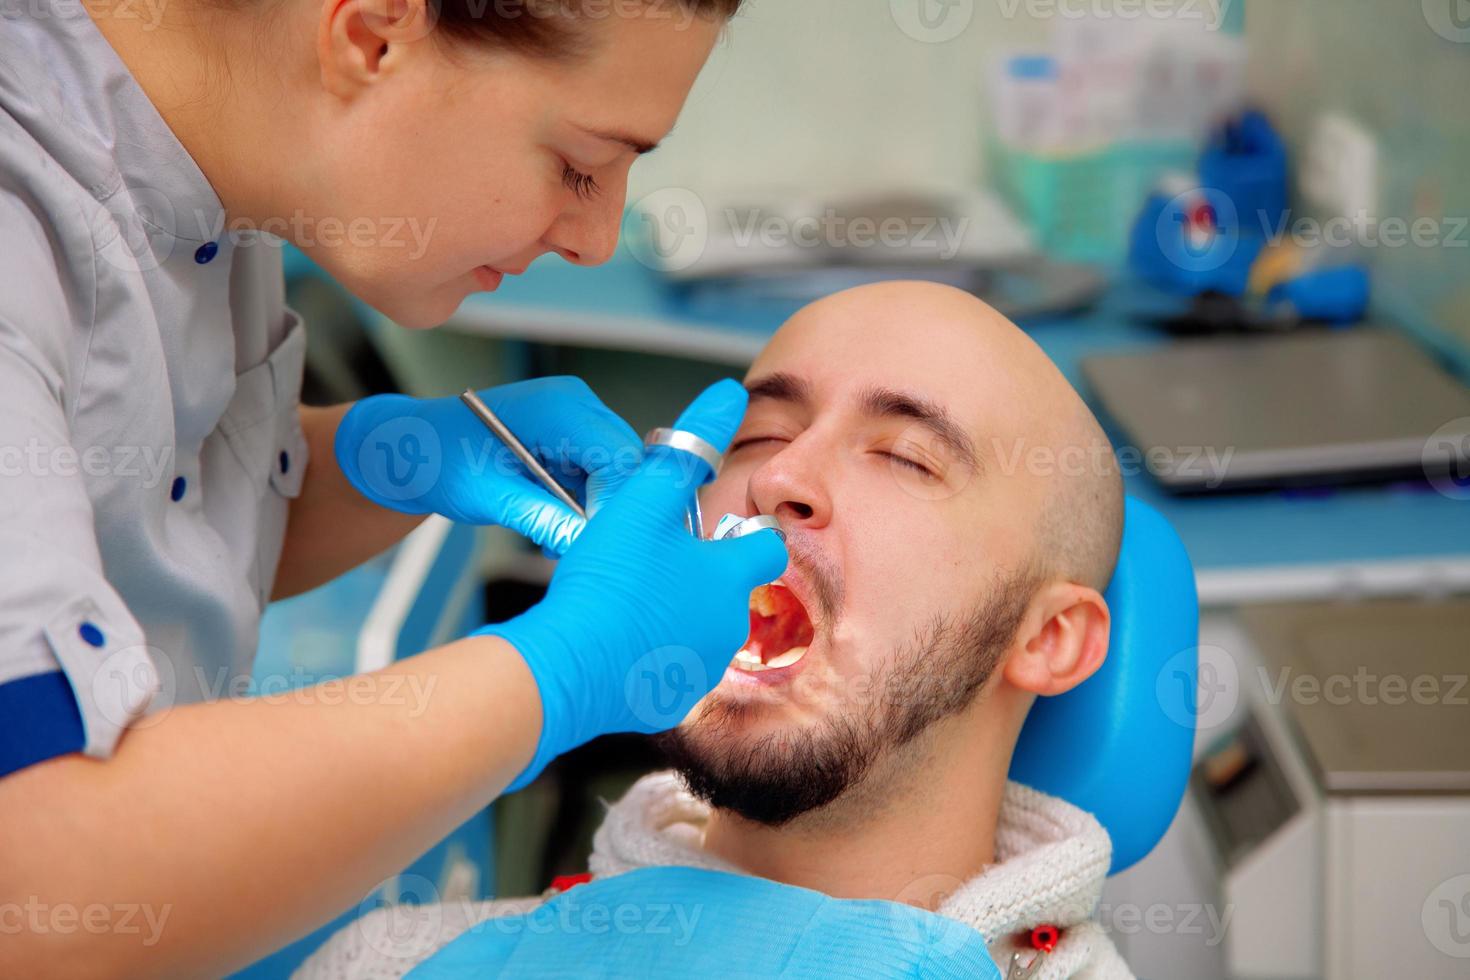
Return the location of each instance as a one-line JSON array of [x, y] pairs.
[[641, 618], [433, 456]]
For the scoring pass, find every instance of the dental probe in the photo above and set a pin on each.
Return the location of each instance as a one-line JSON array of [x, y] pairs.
[[503, 433]]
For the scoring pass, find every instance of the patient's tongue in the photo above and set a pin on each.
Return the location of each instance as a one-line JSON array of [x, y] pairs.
[[778, 622]]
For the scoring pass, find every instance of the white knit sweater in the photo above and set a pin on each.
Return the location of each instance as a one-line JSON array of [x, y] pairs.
[[1052, 859]]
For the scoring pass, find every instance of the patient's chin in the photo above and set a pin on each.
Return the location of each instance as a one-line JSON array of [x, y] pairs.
[[764, 773]]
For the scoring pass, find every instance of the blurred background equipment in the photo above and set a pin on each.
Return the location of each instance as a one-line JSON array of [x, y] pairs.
[[1326, 408], [1336, 800]]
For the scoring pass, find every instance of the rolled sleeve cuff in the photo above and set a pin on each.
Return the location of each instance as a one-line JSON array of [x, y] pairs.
[[109, 668]]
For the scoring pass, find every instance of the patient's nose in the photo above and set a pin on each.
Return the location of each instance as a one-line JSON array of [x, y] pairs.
[[790, 486]]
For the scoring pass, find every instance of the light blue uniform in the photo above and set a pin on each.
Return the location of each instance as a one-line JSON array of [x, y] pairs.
[[149, 381]]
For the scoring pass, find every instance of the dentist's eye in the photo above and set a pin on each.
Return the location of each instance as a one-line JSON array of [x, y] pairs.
[[583, 185]]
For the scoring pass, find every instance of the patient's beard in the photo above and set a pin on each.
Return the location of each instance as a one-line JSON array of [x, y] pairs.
[[780, 776]]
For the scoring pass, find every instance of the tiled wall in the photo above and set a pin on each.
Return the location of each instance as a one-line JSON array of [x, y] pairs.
[[1401, 68]]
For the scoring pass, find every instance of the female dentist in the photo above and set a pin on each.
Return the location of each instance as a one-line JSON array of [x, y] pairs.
[[161, 483]]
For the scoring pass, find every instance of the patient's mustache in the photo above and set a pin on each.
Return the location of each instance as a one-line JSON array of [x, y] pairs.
[[823, 575]]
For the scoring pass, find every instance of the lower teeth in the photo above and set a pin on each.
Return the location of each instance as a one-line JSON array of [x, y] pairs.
[[745, 660]]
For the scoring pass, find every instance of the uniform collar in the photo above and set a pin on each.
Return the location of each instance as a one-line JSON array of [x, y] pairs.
[[66, 86]]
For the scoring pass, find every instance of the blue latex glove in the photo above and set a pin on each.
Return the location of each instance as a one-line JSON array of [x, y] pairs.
[[433, 456], [642, 618], [687, 922]]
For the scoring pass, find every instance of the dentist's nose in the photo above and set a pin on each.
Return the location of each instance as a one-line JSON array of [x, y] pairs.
[[586, 233]]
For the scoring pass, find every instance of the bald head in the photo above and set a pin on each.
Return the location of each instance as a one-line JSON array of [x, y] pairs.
[[1030, 424]]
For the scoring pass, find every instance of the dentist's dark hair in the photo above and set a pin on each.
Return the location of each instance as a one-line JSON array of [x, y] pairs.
[[559, 28]]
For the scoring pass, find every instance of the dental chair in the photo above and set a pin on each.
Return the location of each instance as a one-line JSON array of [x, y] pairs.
[[1119, 745]]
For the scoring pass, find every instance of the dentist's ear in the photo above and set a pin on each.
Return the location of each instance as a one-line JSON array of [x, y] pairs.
[[356, 37], [1062, 640]]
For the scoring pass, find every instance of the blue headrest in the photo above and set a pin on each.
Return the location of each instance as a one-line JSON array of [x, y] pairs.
[[1119, 744]]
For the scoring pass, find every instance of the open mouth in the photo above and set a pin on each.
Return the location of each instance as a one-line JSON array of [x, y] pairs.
[[780, 630]]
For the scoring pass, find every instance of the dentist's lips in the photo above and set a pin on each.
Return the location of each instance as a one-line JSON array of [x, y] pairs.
[[488, 278]]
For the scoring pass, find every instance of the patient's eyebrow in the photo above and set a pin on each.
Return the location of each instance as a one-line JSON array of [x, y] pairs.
[[781, 387], [888, 402]]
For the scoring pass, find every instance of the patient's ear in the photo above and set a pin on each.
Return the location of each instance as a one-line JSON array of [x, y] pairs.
[[1062, 640]]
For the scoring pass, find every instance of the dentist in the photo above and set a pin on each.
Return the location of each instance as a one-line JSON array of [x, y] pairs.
[[160, 483]]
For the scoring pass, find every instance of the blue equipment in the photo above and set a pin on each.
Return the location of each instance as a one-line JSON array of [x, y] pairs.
[[1119, 745]]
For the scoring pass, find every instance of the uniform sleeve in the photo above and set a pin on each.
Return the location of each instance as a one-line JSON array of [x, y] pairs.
[[75, 671]]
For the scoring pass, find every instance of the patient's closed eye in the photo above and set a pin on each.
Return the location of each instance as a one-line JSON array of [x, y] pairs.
[[754, 440], [905, 461]]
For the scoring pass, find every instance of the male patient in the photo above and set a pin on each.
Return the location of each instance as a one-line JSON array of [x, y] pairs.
[[953, 513]]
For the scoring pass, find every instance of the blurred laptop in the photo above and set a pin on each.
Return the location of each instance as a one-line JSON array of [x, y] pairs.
[[1313, 408]]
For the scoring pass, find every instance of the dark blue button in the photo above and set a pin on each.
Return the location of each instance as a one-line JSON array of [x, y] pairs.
[[91, 635], [206, 253], [176, 492], [285, 461]]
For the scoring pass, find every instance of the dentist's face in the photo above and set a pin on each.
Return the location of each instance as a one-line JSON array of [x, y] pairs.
[[875, 434], [452, 165]]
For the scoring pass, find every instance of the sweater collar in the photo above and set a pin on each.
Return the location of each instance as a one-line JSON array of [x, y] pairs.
[[1052, 858]]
